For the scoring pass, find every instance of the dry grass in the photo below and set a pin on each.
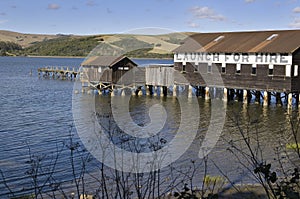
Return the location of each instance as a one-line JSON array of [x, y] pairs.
[[24, 40]]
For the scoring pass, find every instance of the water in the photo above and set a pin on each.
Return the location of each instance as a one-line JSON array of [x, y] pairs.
[[36, 122]]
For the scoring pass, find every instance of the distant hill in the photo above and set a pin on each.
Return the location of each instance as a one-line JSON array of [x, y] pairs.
[[24, 40], [139, 46]]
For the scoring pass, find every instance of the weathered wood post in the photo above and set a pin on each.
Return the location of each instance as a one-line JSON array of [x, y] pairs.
[[174, 90], [190, 92], [150, 90], [123, 91], [225, 95], [165, 91], [133, 91], [297, 99], [278, 99], [266, 98], [140, 92], [257, 97], [245, 96], [160, 90], [154, 90], [290, 100], [207, 96]]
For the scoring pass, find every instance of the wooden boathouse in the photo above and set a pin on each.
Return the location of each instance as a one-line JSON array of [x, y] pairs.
[[104, 72], [254, 63], [260, 61], [105, 69]]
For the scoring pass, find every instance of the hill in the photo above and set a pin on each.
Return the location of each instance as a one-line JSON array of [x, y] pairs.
[[24, 40], [139, 46]]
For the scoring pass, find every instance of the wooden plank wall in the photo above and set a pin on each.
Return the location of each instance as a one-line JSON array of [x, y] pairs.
[[243, 80], [117, 74], [160, 76], [91, 74], [296, 80]]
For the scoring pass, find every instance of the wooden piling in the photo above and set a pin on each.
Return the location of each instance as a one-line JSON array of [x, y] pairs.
[[290, 100], [245, 96], [174, 90], [207, 95], [266, 98], [190, 93], [225, 95]]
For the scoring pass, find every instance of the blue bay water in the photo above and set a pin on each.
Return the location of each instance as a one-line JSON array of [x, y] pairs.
[[36, 119]]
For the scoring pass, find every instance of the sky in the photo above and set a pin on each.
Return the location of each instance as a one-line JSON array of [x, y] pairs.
[[88, 17]]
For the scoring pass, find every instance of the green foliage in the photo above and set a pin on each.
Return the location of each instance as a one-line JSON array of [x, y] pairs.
[[7, 48], [214, 183], [87, 45], [63, 46], [293, 146], [175, 40]]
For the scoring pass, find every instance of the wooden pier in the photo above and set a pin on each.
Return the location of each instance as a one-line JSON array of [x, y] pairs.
[[230, 66], [58, 72]]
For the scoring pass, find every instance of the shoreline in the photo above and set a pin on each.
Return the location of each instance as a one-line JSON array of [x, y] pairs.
[[41, 56]]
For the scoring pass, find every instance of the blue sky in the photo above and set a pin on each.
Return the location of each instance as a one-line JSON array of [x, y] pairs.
[[86, 17]]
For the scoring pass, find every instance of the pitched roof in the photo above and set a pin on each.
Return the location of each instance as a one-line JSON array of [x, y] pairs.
[[280, 41], [107, 61]]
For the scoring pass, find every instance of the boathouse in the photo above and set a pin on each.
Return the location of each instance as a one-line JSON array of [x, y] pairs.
[[266, 61], [105, 69]]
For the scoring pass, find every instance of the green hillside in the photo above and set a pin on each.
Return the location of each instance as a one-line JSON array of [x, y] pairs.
[[63, 46], [9, 48], [138, 46]]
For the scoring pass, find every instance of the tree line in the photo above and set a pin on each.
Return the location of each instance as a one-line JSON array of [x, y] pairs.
[[79, 47], [8, 48]]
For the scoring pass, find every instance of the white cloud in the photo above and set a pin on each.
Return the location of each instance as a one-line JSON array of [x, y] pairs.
[[295, 23], [296, 10], [249, 1], [206, 13], [193, 25], [53, 6]]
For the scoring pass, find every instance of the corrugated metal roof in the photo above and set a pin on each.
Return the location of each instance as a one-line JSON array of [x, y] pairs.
[[107, 61], [283, 41]]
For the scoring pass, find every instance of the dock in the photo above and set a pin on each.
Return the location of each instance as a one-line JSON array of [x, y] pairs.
[[58, 72], [230, 66]]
